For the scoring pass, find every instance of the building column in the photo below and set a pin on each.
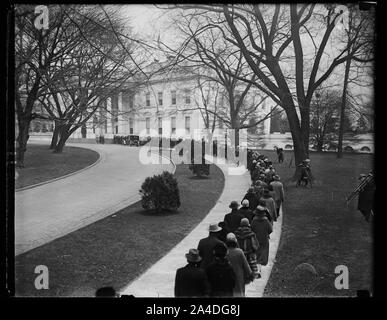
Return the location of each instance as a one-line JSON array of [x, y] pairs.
[[121, 117], [109, 118]]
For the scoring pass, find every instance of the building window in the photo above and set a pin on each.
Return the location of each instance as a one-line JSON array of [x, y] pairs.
[[131, 126], [147, 125], [160, 122], [116, 129], [173, 125], [147, 99], [187, 125], [173, 96], [131, 101], [160, 97], [187, 94]]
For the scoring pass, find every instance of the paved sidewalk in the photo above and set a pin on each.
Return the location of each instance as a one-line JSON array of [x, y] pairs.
[[159, 280], [52, 210]]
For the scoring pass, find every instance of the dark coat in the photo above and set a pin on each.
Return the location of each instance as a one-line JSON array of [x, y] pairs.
[[247, 240], [253, 200], [262, 228], [241, 269], [271, 207], [191, 281], [247, 213], [206, 248], [266, 213], [222, 278], [366, 198], [233, 220]]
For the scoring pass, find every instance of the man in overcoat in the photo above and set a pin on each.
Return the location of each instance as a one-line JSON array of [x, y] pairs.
[[191, 280]]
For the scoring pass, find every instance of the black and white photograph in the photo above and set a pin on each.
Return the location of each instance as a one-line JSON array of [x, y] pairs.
[[192, 150]]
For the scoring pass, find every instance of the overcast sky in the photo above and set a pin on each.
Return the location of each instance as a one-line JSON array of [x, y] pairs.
[[149, 22]]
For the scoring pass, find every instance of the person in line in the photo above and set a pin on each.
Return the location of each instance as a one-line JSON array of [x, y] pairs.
[[246, 211], [261, 209], [206, 245], [239, 264], [279, 194], [248, 242], [262, 228], [233, 219], [270, 204], [222, 234], [252, 198], [191, 280], [220, 274]]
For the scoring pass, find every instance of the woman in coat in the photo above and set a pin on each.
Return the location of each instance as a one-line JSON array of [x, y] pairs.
[[270, 204], [261, 209], [262, 228], [248, 242], [239, 264], [220, 274]]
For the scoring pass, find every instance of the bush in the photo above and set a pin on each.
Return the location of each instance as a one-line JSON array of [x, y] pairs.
[[200, 169], [160, 192]]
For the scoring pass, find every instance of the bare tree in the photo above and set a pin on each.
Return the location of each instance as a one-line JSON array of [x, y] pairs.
[[35, 51], [272, 39], [87, 76], [358, 36], [324, 117]]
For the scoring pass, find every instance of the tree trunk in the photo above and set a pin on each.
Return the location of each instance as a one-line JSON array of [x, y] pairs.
[[22, 139], [55, 136], [64, 135], [300, 152], [342, 111]]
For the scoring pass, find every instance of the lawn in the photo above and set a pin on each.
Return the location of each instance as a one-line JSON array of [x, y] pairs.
[[115, 250], [319, 229], [41, 164]]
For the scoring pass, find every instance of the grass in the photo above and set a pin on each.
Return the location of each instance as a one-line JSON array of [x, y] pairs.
[[115, 250], [319, 229], [41, 164]]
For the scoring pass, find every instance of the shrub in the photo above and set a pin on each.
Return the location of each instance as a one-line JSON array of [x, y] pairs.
[[160, 192], [200, 169]]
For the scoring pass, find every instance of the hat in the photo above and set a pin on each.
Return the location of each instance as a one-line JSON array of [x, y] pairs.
[[266, 191], [193, 255], [220, 250], [231, 237], [245, 202], [276, 177], [262, 203], [245, 222], [214, 227], [234, 205]]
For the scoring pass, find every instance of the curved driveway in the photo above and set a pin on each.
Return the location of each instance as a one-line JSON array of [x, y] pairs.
[[52, 210]]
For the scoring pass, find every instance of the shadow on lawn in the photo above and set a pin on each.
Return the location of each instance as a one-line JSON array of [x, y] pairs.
[[154, 212]]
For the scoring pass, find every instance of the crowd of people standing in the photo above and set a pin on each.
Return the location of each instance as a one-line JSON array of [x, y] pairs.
[[237, 247]]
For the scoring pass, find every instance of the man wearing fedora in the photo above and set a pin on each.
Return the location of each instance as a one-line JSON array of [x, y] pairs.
[[206, 245], [191, 280], [233, 219]]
